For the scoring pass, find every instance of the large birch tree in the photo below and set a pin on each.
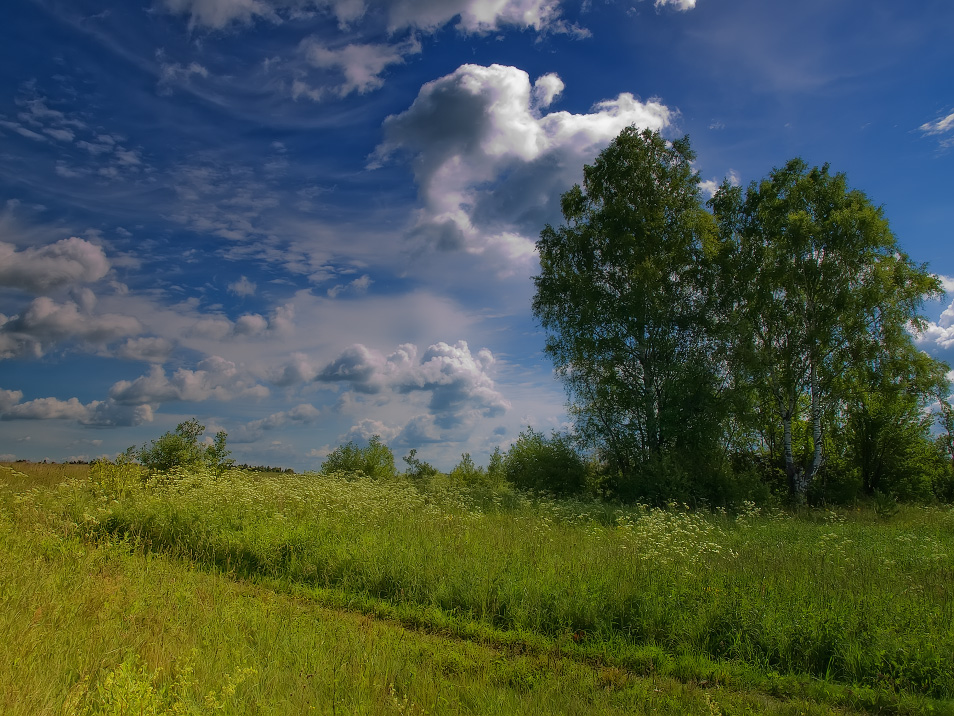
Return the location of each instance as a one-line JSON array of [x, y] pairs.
[[819, 289], [622, 294]]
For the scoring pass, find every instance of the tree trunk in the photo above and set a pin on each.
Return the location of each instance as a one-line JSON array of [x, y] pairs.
[[793, 472]]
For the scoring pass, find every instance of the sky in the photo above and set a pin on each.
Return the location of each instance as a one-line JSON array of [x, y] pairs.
[[306, 222]]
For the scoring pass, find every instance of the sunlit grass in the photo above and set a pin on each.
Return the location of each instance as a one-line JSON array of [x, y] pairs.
[[840, 608]]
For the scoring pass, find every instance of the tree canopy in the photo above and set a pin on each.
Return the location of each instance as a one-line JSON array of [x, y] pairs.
[[752, 330]]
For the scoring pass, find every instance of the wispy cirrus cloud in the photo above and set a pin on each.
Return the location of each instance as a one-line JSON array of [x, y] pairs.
[[942, 128]]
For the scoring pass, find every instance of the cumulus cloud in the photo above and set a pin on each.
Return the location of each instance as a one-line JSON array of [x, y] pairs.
[[242, 287], [304, 414], [215, 378], [150, 349], [490, 164], [298, 369], [97, 413], [9, 398], [366, 429], [66, 262], [940, 333], [45, 322], [458, 381], [249, 325]]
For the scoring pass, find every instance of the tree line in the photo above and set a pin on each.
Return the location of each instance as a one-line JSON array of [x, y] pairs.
[[760, 340]]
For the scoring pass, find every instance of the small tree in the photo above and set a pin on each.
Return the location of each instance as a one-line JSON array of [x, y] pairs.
[[181, 448], [418, 469], [375, 460], [469, 473]]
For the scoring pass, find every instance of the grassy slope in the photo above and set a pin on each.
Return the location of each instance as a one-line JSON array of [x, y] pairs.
[[105, 624]]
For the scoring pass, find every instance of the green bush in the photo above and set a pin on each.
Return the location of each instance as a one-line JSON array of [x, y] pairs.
[[418, 469], [535, 462], [466, 472], [181, 448], [375, 460]]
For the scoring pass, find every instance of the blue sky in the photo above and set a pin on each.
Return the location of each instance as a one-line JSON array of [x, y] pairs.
[[310, 221]]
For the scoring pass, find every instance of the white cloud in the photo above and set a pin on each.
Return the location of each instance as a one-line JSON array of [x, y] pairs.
[[150, 349], [304, 414], [358, 286], [681, 5], [95, 414], [242, 287], [298, 369], [366, 429], [939, 127], [940, 333], [475, 16], [711, 186], [217, 14], [66, 262], [46, 322], [249, 325], [172, 73], [215, 378], [947, 283], [362, 65], [490, 164], [457, 381], [9, 398]]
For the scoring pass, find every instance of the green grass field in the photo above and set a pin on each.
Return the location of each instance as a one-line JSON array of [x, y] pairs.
[[266, 593]]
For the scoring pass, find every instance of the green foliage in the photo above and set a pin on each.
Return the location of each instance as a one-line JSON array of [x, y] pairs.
[[375, 460], [624, 295], [468, 473], [819, 298], [418, 469], [535, 462], [847, 598], [119, 476], [180, 448], [152, 634]]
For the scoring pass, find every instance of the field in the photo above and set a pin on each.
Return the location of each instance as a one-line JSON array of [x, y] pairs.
[[266, 593]]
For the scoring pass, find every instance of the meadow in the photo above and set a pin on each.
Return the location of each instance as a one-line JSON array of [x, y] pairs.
[[186, 592]]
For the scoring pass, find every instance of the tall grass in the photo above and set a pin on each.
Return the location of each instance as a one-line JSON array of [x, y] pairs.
[[844, 597], [106, 626]]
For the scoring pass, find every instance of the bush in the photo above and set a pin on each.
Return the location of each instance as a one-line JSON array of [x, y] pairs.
[[552, 465], [181, 448], [375, 461], [418, 469], [470, 474]]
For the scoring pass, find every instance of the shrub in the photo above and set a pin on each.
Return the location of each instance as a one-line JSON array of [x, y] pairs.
[[468, 473], [418, 469], [375, 461], [181, 448], [537, 463]]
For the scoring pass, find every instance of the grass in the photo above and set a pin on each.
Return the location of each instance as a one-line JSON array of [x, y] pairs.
[[273, 594]]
